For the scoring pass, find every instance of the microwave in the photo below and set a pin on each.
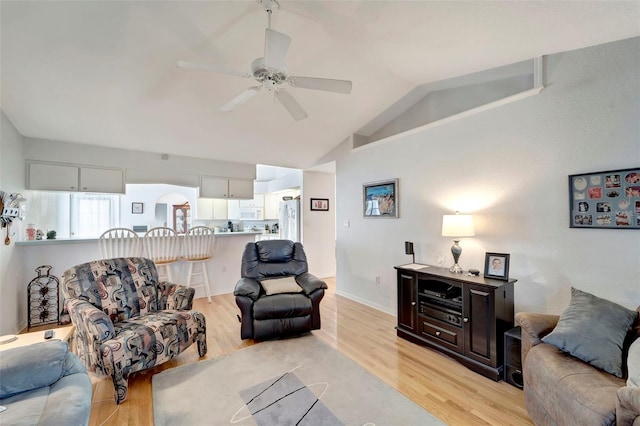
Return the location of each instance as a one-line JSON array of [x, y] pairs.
[[251, 213]]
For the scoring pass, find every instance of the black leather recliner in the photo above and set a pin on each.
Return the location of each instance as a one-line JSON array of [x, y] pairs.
[[265, 316]]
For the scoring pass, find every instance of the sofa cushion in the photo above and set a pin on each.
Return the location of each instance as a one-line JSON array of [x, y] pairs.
[[280, 285], [567, 388], [593, 330], [633, 363], [44, 361]]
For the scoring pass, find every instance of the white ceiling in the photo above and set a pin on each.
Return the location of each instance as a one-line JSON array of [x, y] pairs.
[[104, 72]]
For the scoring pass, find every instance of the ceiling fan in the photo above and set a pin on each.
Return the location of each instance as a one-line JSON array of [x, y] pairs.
[[271, 73]]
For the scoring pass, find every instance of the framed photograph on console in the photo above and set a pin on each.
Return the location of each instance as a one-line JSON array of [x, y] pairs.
[[320, 204], [380, 199], [496, 266]]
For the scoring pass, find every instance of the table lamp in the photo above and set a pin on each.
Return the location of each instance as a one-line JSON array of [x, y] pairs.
[[457, 226]]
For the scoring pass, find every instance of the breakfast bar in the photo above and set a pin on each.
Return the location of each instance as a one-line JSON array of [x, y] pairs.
[[61, 254]]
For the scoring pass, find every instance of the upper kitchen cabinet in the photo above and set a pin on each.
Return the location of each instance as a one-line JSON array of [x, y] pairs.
[[74, 178], [256, 201], [239, 189], [211, 209]]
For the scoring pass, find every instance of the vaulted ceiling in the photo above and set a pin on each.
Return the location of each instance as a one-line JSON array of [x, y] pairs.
[[104, 72]]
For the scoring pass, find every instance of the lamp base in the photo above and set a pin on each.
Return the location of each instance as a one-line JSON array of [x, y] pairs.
[[456, 269]]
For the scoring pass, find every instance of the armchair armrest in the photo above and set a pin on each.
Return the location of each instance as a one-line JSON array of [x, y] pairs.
[[24, 368], [90, 321], [175, 296], [628, 406], [310, 283], [534, 327], [248, 287]]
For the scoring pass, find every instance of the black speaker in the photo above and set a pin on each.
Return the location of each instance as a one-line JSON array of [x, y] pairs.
[[408, 249], [512, 358]]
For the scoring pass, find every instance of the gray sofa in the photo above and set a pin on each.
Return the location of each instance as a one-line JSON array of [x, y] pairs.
[[44, 384], [562, 390]]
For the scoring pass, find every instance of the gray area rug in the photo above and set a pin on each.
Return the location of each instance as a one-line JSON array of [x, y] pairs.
[[299, 381]]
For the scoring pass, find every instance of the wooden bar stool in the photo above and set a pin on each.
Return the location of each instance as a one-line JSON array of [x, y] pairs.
[[119, 242], [197, 249], [162, 245]]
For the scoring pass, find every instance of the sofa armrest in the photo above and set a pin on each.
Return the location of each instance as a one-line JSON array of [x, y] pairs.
[[310, 283], [248, 287], [628, 406], [534, 327], [174, 296], [33, 366]]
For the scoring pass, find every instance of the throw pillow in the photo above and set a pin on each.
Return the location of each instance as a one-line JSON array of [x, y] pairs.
[[281, 285], [633, 364], [593, 330]]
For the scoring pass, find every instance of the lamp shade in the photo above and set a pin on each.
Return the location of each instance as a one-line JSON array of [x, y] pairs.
[[457, 225]]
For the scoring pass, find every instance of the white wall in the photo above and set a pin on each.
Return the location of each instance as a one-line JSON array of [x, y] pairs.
[[318, 227], [11, 180], [148, 194], [508, 167]]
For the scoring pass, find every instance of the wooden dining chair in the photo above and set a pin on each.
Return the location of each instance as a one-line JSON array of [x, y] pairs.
[[119, 242], [197, 249], [162, 245]]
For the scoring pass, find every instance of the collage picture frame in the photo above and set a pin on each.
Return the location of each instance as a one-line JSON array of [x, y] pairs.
[[609, 199]]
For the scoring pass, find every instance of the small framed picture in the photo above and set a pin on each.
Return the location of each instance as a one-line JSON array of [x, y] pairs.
[[380, 199], [496, 265], [137, 208], [321, 204]]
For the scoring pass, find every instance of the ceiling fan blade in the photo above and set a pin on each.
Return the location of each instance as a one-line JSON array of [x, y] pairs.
[[214, 68], [291, 105], [276, 46], [240, 99], [326, 84]]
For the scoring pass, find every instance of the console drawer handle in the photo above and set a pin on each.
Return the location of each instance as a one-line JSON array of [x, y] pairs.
[[438, 333]]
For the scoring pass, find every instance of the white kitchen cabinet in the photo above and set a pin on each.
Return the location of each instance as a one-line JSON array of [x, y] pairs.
[[101, 180], [233, 209], [211, 209], [73, 178], [257, 201], [223, 188], [271, 206]]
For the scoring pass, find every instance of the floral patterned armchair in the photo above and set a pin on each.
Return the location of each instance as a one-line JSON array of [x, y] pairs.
[[127, 321]]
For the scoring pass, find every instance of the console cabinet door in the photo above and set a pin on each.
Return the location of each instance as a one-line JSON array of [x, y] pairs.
[[407, 310], [479, 323]]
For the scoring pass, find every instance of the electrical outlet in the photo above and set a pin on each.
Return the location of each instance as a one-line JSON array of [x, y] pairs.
[[378, 280], [224, 269]]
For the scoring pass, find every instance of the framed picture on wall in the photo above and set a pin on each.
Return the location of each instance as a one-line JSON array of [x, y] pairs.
[[320, 204], [380, 199], [496, 265], [609, 200], [137, 208]]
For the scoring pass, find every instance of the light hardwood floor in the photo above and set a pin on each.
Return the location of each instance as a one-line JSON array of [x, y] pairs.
[[451, 392]]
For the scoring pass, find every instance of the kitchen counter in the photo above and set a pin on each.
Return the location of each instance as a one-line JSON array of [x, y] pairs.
[[94, 240], [223, 268]]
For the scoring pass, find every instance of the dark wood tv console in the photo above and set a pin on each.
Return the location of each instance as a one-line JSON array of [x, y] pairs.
[[464, 317]]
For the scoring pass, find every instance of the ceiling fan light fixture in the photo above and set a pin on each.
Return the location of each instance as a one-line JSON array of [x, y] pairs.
[[270, 72]]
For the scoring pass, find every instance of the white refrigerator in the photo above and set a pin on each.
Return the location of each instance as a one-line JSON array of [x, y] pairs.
[[289, 223]]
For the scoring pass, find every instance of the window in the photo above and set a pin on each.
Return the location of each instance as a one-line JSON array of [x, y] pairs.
[[92, 214]]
